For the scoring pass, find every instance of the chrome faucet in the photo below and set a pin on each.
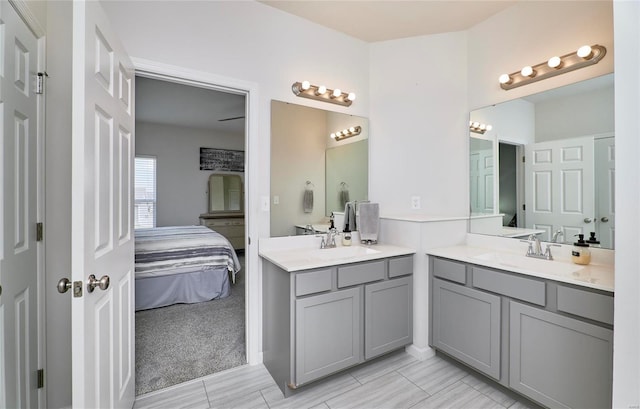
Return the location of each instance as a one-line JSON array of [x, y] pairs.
[[535, 248], [557, 234], [330, 242]]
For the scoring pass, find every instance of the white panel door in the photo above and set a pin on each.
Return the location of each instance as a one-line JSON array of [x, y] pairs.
[[605, 157], [559, 187], [18, 250], [482, 177], [102, 233]]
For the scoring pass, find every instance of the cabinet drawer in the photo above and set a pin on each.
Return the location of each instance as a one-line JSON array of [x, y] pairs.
[[401, 266], [361, 273], [513, 286], [449, 270], [313, 282], [598, 307]]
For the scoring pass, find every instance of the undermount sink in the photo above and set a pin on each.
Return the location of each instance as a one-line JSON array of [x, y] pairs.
[[342, 252], [529, 263]]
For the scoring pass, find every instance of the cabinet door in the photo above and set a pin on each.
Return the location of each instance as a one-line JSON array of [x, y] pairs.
[[388, 311], [328, 334], [466, 325], [559, 361]]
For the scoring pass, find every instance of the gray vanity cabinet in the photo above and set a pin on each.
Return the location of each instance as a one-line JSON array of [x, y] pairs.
[[388, 316], [466, 325], [318, 322], [547, 340], [328, 328], [559, 361]]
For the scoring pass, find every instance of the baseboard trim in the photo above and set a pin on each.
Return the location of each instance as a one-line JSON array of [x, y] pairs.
[[420, 353]]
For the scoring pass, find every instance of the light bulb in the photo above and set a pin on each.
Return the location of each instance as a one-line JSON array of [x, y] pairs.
[[585, 52], [489, 127], [351, 96], [336, 93], [475, 124], [321, 90], [305, 85], [339, 133], [333, 136], [352, 129], [505, 79], [483, 127], [345, 132], [527, 71], [554, 62]]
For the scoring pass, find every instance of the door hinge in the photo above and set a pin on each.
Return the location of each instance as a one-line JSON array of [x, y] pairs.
[[40, 378], [39, 231], [249, 240], [523, 159], [40, 82], [524, 207]]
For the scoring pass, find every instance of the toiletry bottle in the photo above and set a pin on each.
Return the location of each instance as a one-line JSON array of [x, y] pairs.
[[580, 254], [346, 237], [592, 241]]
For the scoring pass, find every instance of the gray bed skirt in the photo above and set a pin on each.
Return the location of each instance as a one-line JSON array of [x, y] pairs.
[[205, 284]]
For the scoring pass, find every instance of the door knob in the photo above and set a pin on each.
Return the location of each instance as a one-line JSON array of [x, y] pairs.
[[604, 219], [587, 220], [64, 285], [93, 282]]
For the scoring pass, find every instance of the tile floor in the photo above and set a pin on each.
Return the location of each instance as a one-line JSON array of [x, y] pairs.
[[396, 381]]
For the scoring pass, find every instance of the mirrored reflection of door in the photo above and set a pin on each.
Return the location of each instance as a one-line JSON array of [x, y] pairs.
[[481, 174], [560, 189], [605, 191]]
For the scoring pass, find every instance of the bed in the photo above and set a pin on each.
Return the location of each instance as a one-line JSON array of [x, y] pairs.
[[182, 264]]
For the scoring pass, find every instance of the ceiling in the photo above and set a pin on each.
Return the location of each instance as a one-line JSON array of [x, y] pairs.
[[170, 103], [382, 20]]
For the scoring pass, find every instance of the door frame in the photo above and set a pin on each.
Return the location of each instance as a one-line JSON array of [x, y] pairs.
[[253, 283], [28, 17]]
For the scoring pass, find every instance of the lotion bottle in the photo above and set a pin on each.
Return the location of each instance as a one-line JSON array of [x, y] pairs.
[[580, 254]]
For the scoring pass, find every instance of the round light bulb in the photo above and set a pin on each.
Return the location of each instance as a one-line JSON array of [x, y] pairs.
[[352, 129], [554, 62], [483, 127], [585, 52], [333, 136], [339, 133], [475, 124], [345, 132], [336, 93], [470, 123], [527, 71], [351, 96], [505, 79], [321, 90], [306, 85], [489, 127]]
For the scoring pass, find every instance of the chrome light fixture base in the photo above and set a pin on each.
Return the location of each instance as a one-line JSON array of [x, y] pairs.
[[568, 62], [313, 92]]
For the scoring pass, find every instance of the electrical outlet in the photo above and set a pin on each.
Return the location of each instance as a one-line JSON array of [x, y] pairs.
[[276, 200], [415, 202]]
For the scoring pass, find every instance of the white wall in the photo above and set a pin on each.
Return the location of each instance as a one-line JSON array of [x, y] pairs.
[[419, 120], [626, 350], [182, 188]]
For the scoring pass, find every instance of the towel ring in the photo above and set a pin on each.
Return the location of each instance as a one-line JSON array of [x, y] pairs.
[[344, 185], [309, 183]]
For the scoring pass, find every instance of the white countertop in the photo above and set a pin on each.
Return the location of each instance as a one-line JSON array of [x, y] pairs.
[[305, 258], [598, 276]]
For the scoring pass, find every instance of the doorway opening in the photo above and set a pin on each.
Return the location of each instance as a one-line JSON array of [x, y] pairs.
[[511, 182], [195, 132]]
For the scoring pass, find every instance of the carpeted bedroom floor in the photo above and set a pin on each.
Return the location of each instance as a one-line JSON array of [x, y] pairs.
[[181, 342]]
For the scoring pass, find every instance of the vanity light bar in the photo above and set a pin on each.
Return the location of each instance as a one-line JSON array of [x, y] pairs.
[[478, 127], [583, 57], [321, 93], [346, 133]]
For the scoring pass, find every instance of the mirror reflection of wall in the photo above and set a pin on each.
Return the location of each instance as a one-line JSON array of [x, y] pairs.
[[347, 175], [299, 142], [565, 186]]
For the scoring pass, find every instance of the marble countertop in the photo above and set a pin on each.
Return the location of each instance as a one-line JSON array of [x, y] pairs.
[[296, 259], [598, 276]]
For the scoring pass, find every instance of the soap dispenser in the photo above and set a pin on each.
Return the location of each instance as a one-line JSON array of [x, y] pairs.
[[592, 241], [580, 254]]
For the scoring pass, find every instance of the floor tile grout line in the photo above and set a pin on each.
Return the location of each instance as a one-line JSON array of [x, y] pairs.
[[206, 393], [412, 382], [263, 398]]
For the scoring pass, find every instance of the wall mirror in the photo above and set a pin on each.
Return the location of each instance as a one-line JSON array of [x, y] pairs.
[[225, 194], [305, 158], [547, 165]]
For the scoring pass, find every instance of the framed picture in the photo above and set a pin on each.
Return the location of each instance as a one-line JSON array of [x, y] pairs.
[[221, 160]]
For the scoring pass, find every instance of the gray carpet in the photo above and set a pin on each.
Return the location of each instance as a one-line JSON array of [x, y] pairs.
[[181, 342]]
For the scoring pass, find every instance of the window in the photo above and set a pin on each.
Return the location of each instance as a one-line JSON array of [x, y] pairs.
[[145, 192]]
